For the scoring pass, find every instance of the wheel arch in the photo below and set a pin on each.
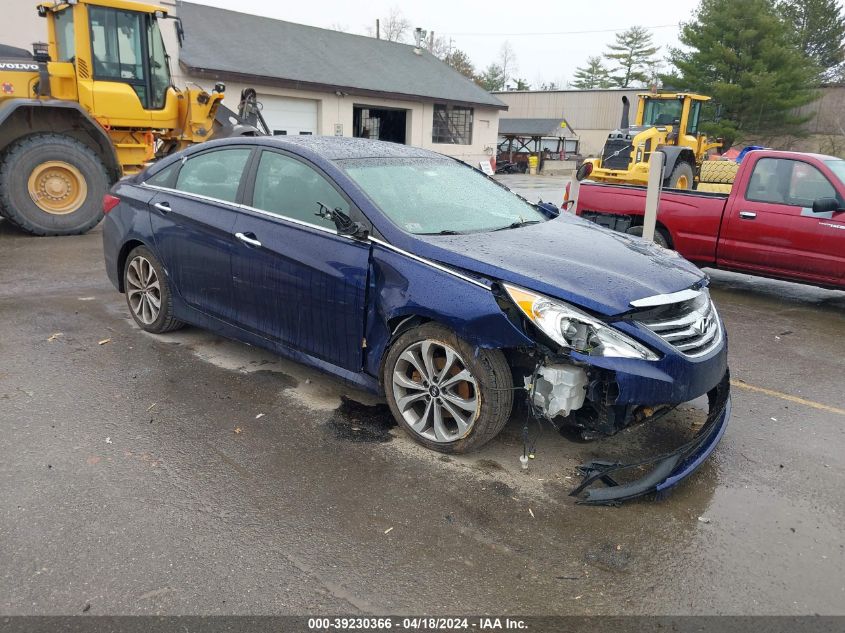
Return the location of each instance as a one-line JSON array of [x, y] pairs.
[[20, 118], [675, 155], [122, 256], [638, 221]]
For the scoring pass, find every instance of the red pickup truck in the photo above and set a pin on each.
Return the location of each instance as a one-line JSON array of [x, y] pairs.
[[784, 218]]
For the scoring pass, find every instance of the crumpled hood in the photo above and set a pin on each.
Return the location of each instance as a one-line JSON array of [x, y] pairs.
[[570, 259]]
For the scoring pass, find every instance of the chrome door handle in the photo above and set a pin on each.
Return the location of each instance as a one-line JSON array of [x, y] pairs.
[[747, 215], [247, 240], [164, 207]]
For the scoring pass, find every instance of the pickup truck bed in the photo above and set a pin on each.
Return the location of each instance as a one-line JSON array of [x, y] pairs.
[[765, 226]]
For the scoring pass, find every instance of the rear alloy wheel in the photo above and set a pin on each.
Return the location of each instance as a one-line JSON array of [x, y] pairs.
[[447, 395], [148, 292]]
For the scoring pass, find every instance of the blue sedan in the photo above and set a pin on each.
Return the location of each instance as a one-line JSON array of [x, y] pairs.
[[414, 275]]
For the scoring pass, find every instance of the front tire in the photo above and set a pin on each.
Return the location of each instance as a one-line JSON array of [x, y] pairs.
[[148, 292], [52, 185], [446, 394], [682, 177]]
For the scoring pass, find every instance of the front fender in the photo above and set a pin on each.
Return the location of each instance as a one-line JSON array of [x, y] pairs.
[[401, 286]]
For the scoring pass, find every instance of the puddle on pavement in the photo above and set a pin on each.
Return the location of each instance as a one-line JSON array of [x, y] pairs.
[[359, 422]]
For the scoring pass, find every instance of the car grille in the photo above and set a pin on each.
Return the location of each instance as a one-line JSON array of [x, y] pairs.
[[610, 159], [692, 327]]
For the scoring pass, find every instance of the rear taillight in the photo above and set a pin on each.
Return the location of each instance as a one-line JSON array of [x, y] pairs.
[[110, 202]]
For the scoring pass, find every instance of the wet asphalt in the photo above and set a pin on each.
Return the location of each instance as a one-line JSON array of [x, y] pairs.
[[186, 474]]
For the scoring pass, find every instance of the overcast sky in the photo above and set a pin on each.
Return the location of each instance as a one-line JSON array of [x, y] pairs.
[[540, 32]]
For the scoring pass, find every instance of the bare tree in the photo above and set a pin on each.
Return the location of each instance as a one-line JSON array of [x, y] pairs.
[[440, 47], [337, 26], [393, 28], [507, 61]]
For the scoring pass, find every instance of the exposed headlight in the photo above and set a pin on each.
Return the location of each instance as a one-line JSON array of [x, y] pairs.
[[575, 330]]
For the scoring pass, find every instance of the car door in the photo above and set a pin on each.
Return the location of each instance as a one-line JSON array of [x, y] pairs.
[[772, 227], [193, 214], [298, 282]]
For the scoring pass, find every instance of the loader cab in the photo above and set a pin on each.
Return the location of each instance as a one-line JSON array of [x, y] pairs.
[[121, 66], [681, 112]]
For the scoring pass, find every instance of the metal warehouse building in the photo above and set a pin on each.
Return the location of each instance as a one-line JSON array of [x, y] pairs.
[[590, 113], [319, 81]]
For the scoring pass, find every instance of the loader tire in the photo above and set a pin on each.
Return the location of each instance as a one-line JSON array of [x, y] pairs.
[[52, 185], [714, 187], [718, 171], [681, 178]]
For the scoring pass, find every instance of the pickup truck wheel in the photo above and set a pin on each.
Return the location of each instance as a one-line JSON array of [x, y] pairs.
[[52, 185], [660, 237], [682, 177], [446, 394]]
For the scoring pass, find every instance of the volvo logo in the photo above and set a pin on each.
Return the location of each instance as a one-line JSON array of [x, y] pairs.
[[17, 66]]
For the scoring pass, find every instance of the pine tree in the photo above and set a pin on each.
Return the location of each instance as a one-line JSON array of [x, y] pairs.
[[741, 54], [818, 27], [633, 54], [461, 62], [492, 79], [593, 75]]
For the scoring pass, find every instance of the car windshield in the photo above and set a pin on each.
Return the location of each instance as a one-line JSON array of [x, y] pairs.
[[838, 168], [433, 196]]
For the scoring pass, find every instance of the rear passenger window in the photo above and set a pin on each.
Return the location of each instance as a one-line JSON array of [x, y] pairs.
[[215, 174], [290, 189], [164, 178]]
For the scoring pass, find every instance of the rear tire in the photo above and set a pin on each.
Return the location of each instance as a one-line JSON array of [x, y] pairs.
[[148, 293], [67, 178], [682, 177], [448, 395]]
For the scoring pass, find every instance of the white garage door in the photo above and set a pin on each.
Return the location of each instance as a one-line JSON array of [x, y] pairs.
[[288, 115]]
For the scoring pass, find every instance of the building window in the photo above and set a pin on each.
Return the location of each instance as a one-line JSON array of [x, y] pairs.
[[452, 124]]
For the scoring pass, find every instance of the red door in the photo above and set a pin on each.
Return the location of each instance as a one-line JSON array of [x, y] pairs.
[[771, 227]]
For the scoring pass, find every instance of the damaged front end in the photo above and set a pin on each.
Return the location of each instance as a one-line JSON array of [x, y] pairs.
[[662, 471], [599, 377]]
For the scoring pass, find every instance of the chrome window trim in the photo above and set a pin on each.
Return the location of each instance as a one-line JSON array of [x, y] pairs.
[[428, 262], [243, 207], [371, 239], [666, 299]]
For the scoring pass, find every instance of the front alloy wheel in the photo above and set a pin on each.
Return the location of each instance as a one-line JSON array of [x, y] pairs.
[[435, 392], [448, 395]]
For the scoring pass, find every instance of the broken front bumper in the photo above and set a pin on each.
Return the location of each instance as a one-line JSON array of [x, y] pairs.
[[667, 469]]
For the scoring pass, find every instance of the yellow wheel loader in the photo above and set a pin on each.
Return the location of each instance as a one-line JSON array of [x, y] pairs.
[[94, 103], [665, 121]]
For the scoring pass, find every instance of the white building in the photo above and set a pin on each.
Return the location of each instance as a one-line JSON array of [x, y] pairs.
[[317, 81]]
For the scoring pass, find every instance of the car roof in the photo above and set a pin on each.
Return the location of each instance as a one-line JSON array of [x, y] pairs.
[[327, 147]]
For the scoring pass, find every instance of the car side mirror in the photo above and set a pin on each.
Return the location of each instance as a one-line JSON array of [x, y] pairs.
[[345, 225], [826, 205], [548, 209], [584, 171]]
